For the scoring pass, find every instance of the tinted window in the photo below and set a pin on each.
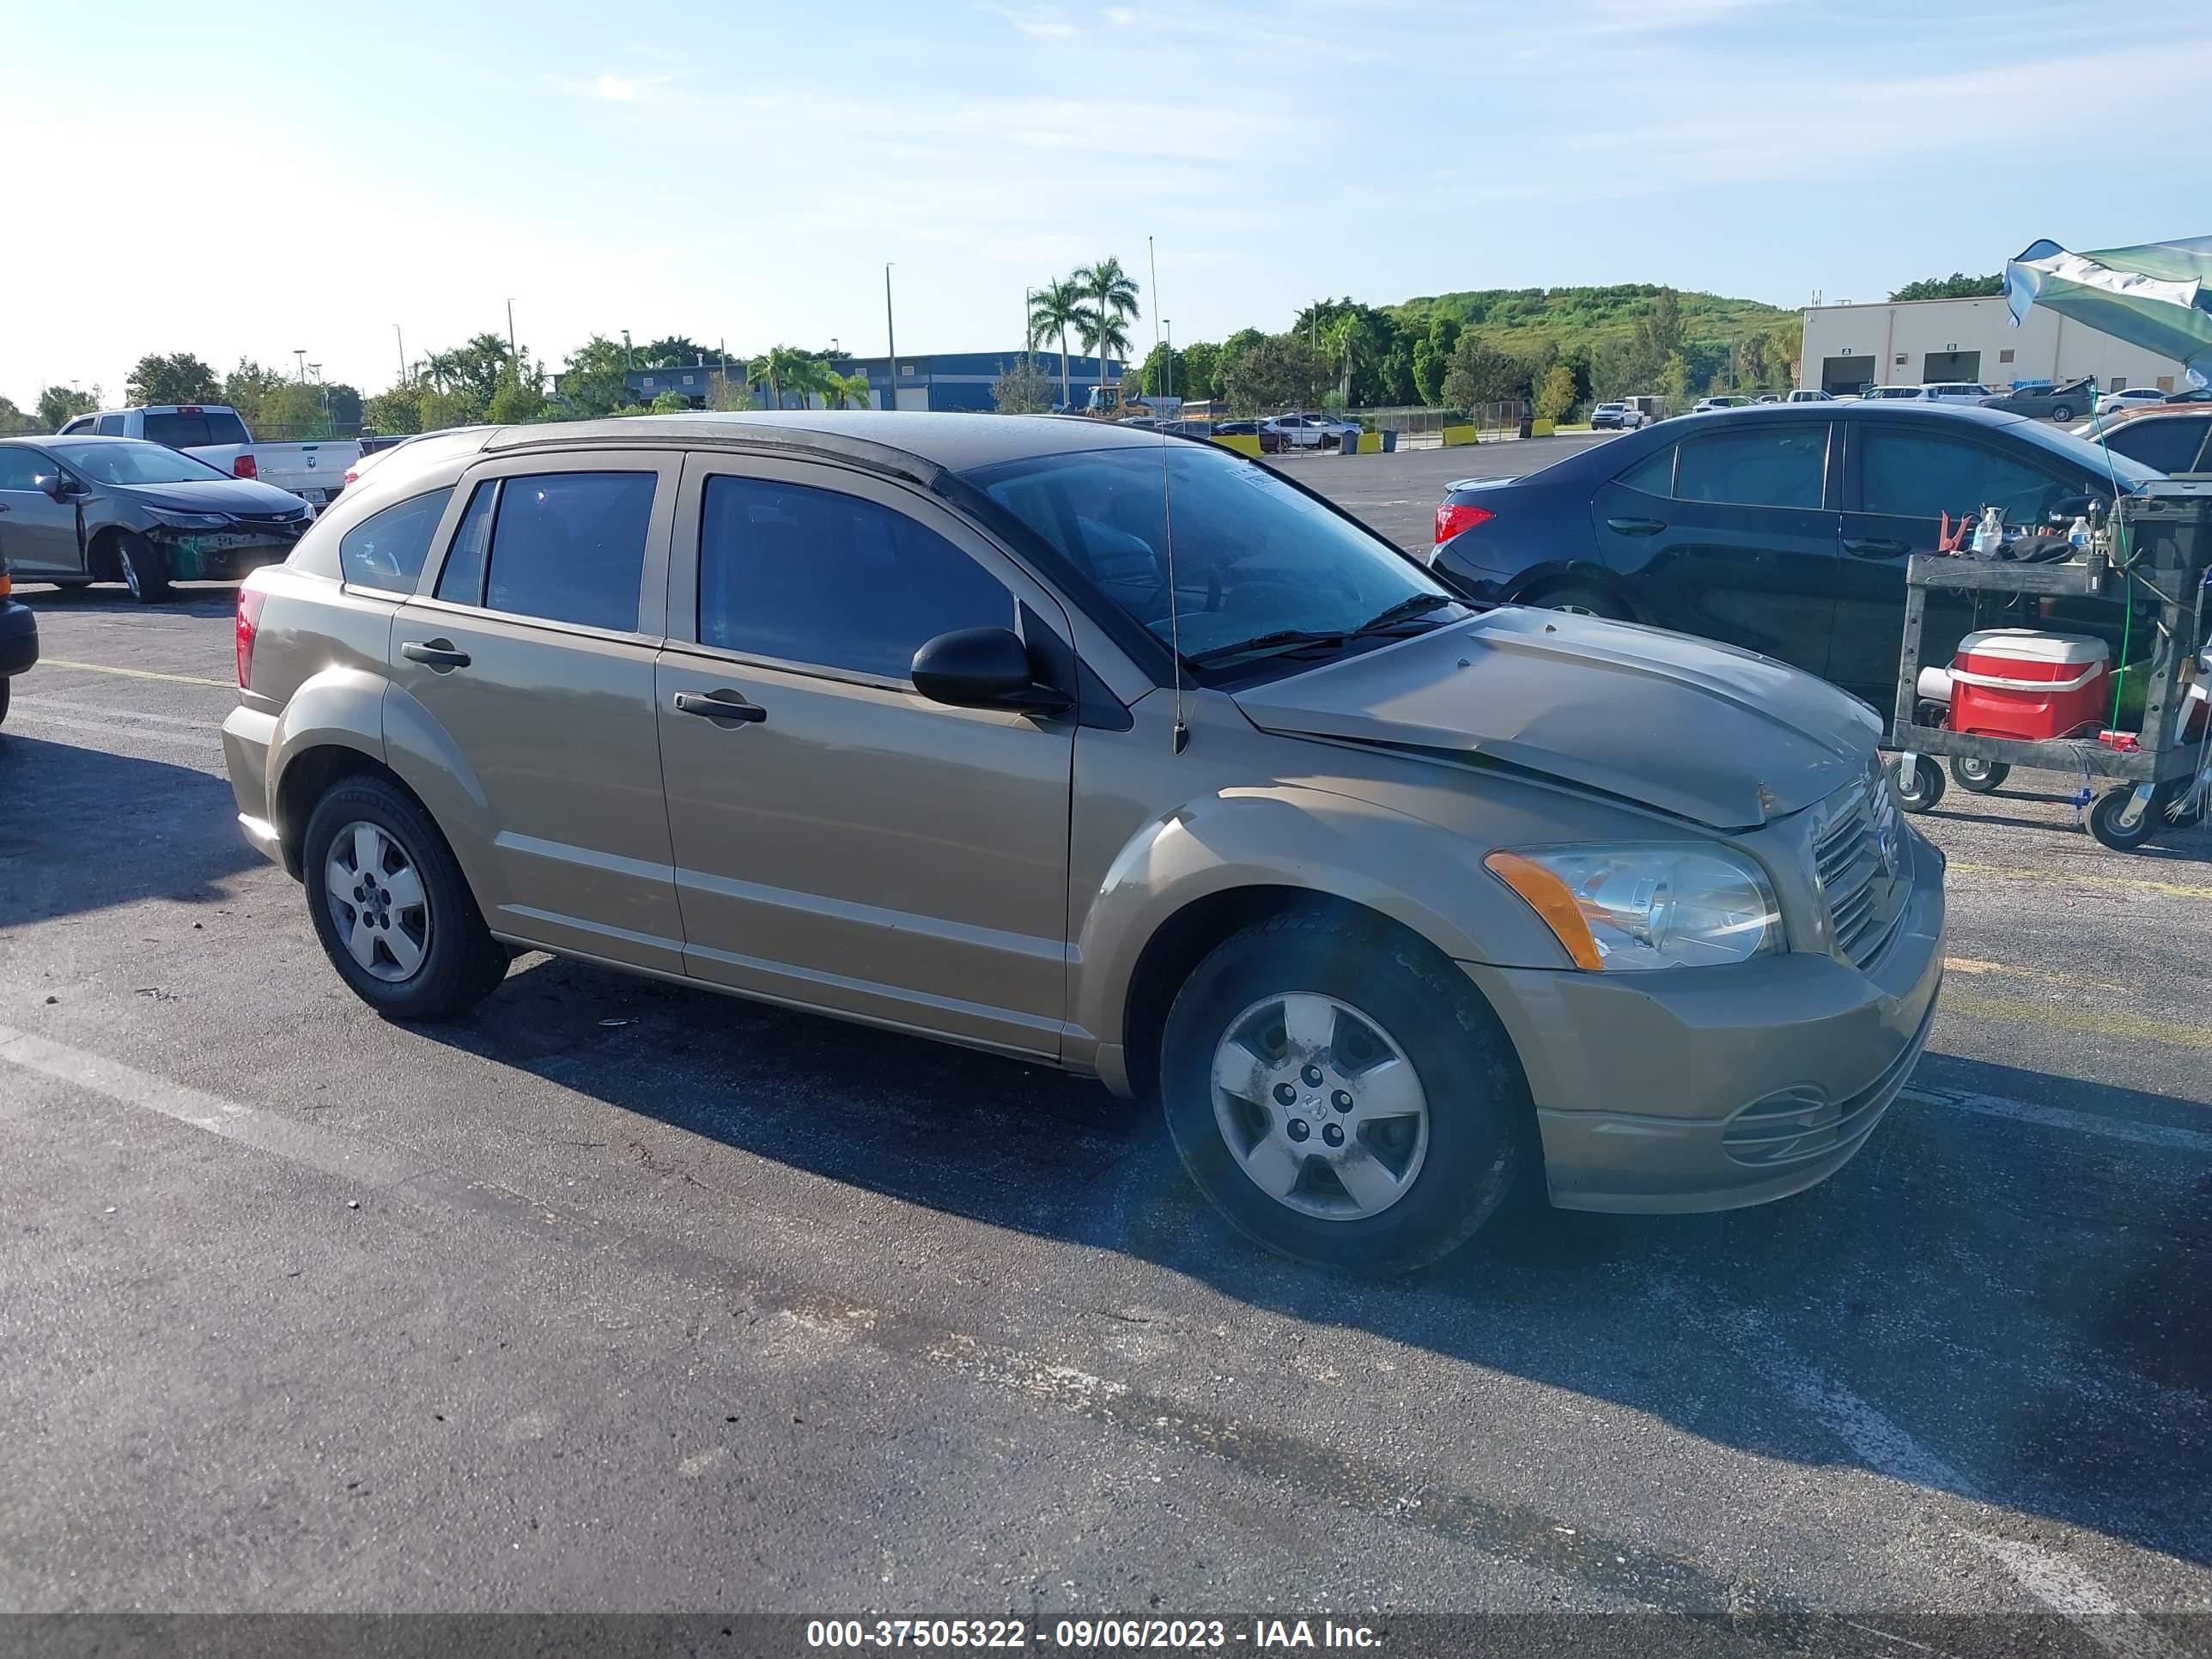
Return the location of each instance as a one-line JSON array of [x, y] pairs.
[[1654, 474], [2168, 443], [83, 423], [462, 580], [182, 431], [386, 550], [18, 467], [1920, 475], [1758, 466], [811, 576], [111, 426], [570, 547]]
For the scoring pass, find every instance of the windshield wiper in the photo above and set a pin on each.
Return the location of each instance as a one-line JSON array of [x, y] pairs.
[[1282, 640], [1413, 605]]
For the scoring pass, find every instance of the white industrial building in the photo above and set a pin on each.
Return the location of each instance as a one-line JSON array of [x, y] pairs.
[[1912, 342]]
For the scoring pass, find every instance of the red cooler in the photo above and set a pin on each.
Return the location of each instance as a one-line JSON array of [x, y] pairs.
[[2018, 683]]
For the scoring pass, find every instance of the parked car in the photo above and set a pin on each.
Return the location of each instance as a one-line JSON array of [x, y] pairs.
[[1810, 395], [2046, 403], [1783, 531], [1309, 431], [1724, 400], [2165, 437], [2138, 396], [889, 722], [19, 634], [1615, 415], [83, 510], [1271, 442], [315, 472], [2191, 394]]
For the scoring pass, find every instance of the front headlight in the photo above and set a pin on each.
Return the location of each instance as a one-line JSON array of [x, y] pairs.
[[1626, 907], [190, 520]]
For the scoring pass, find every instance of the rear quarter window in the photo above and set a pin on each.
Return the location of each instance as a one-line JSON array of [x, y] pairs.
[[387, 549], [191, 430]]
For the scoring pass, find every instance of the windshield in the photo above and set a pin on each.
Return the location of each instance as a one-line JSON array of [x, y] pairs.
[[127, 461], [1252, 556]]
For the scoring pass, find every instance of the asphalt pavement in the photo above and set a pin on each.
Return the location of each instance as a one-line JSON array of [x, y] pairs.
[[1397, 494], [619, 1295]]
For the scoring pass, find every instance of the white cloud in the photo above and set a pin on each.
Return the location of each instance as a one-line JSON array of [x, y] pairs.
[[615, 89]]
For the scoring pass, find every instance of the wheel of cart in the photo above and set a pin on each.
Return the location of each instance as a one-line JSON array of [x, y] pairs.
[[2124, 823], [1925, 788], [1979, 775]]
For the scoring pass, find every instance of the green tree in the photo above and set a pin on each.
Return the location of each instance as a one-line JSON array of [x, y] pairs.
[[60, 404], [845, 390], [292, 411], [179, 378], [671, 402], [1482, 373], [436, 410], [1054, 309], [727, 390], [397, 410], [593, 382], [1022, 388], [1957, 286], [674, 351], [1275, 372], [14, 420], [1165, 374], [245, 386], [516, 400], [1343, 342], [1109, 294], [785, 368], [1556, 396], [1674, 381], [1199, 374], [1396, 372]]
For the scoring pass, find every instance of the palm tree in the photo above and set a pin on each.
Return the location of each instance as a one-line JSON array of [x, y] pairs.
[[1103, 335], [783, 366], [1343, 339], [844, 391], [1111, 293], [1053, 309]]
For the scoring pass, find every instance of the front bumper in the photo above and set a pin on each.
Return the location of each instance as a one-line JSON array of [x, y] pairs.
[[19, 638], [1714, 1088], [222, 556]]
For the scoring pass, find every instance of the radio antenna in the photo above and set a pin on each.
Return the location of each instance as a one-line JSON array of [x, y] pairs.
[[1167, 521]]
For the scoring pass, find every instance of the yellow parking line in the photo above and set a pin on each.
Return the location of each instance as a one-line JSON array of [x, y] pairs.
[[2127, 883], [1975, 966], [2088, 1020], [136, 673]]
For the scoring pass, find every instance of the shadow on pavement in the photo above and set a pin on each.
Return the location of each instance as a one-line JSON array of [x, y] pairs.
[[1975, 1283], [85, 829]]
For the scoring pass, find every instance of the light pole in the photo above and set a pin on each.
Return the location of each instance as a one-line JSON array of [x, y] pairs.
[[402, 338], [512, 355], [1167, 367], [891, 334], [629, 361], [301, 352]]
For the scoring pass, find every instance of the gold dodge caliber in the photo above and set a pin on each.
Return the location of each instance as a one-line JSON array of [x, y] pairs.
[[1109, 750]]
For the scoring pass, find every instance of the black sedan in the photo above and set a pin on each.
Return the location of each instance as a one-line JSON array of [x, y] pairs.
[[80, 510], [2047, 403], [19, 638], [1783, 529]]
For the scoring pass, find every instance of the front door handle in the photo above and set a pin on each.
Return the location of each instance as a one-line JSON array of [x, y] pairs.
[[719, 705], [1874, 547], [436, 654], [1635, 526]]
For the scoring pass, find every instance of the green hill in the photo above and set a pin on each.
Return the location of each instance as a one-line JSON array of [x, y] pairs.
[[1524, 320]]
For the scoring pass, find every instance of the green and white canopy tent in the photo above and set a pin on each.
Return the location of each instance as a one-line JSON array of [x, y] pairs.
[[2158, 296]]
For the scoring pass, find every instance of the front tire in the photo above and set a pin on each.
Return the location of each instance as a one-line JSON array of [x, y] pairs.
[[393, 912], [1406, 1120], [1979, 776], [1926, 785], [2062, 412], [145, 571], [1582, 600]]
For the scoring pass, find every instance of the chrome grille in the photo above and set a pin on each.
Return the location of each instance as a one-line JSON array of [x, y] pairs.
[[1856, 858]]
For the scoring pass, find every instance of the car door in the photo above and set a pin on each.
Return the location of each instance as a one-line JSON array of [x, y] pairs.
[[521, 706], [1901, 478], [840, 841], [38, 534], [1730, 533]]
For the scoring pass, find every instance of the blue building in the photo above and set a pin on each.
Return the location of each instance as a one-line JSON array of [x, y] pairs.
[[962, 380]]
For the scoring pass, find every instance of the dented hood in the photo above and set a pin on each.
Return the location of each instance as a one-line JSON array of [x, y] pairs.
[[1705, 732]]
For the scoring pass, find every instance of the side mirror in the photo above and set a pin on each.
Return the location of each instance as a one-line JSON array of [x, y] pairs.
[[55, 484], [983, 668], [2067, 508]]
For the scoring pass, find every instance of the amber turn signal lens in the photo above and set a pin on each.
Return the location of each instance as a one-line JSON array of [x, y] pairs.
[[1551, 899]]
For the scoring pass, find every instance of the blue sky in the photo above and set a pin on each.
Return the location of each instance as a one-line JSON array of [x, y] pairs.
[[307, 176]]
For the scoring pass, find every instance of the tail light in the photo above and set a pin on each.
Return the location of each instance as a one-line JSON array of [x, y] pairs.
[[244, 467], [249, 624], [1454, 517], [353, 475], [7, 582]]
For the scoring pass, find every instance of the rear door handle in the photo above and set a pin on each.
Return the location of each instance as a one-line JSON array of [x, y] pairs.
[[1635, 526], [719, 705], [437, 654], [1874, 547]]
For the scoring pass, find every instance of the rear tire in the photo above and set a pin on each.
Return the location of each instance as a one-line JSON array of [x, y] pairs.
[[145, 571], [1421, 1100], [393, 912], [1979, 776], [1581, 600], [2061, 412], [2104, 819]]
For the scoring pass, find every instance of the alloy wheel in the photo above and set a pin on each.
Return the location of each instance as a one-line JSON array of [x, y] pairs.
[[377, 900]]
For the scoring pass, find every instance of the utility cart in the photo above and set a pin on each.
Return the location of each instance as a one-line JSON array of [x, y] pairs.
[[2158, 546]]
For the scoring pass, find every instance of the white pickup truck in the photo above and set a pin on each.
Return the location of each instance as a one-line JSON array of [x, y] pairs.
[[213, 432]]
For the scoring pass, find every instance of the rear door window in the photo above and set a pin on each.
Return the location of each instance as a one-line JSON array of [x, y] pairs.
[[1759, 466], [20, 468], [111, 426], [386, 548], [188, 429], [2168, 442], [801, 574], [570, 547], [1922, 475]]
